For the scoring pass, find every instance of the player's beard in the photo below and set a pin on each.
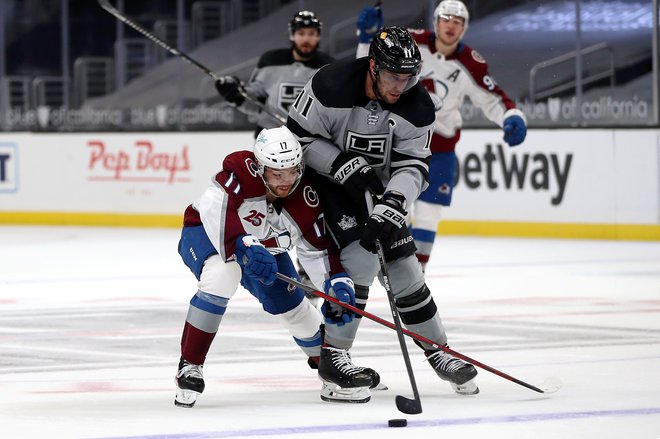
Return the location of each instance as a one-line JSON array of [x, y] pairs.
[[307, 54]]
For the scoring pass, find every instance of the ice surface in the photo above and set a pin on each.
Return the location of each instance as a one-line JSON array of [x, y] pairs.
[[90, 321]]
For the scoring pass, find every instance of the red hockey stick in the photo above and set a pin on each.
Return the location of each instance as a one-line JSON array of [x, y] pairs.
[[549, 385]]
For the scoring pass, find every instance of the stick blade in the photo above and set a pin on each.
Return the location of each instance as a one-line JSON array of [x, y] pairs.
[[407, 405], [551, 385]]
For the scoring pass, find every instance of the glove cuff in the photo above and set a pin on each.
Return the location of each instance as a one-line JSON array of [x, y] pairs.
[[396, 200], [364, 37], [514, 112], [249, 240], [346, 165], [385, 212]]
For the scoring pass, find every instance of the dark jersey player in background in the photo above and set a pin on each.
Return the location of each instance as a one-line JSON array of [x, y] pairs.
[[366, 125], [280, 74]]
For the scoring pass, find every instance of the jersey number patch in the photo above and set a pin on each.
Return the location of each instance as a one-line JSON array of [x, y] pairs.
[[255, 218], [303, 104]]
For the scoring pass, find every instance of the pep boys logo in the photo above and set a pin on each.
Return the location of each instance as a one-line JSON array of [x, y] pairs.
[[140, 162]]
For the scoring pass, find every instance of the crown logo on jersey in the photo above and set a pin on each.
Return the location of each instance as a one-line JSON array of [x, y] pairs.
[[347, 222]]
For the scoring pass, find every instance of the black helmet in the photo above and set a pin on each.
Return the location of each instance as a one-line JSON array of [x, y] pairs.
[[304, 19], [395, 50]]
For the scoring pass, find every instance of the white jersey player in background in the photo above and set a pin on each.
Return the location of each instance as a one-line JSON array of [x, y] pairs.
[[280, 74], [451, 71]]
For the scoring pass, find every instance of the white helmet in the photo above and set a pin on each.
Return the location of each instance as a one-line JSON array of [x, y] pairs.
[[452, 7], [277, 148]]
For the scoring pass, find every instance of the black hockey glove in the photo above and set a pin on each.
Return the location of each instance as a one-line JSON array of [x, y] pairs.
[[230, 88], [387, 218], [356, 176]]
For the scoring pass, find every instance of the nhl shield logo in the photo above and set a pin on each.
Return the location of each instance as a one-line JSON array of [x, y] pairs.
[[554, 108], [161, 115], [43, 116]]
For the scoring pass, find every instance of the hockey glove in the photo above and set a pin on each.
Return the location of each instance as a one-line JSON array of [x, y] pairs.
[[514, 128], [368, 23], [356, 176], [231, 88], [387, 217], [255, 260], [341, 287]]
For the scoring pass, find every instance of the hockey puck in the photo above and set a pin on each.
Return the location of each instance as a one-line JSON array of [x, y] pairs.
[[397, 423]]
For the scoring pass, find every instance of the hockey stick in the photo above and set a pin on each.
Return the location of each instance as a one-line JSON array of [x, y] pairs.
[[105, 4], [549, 385], [405, 405]]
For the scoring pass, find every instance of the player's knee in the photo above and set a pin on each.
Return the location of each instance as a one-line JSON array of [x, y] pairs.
[[417, 307], [426, 215], [219, 278], [304, 320]]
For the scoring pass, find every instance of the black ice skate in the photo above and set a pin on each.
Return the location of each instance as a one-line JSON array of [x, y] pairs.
[[313, 362], [342, 380], [459, 373], [189, 384]]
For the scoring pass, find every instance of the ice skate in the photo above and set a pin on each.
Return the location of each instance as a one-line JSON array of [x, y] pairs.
[[342, 380], [459, 373], [189, 384], [376, 384]]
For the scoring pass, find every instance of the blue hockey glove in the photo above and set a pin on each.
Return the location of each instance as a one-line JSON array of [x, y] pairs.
[[255, 260], [341, 287], [368, 23], [514, 128], [387, 217], [231, 88], [356, 176]]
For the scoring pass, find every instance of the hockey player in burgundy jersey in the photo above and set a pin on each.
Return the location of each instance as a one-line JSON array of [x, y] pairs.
[[451, 70], [365, 125], [239, 231], [280, 74]]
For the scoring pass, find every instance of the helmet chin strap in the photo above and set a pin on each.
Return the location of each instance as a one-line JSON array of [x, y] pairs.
[[374, 83]]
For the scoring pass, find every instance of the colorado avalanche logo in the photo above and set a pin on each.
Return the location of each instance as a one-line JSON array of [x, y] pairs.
[[477, 57], [441, 92], [310, 196], [251, 167]]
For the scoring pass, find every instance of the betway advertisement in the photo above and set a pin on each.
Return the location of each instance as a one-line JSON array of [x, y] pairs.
[[556, 176], [576, 176]]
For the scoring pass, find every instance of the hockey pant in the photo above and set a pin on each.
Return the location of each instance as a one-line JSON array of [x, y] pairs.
[[425, 213], [412, 297], [217, 283]]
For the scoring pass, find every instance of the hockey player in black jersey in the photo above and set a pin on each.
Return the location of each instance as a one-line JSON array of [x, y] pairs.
[[280, 74], [365, 125]]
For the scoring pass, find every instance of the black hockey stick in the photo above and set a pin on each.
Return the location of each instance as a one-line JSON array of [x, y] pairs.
[[105, 4], [405, 405], [549, 385]]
